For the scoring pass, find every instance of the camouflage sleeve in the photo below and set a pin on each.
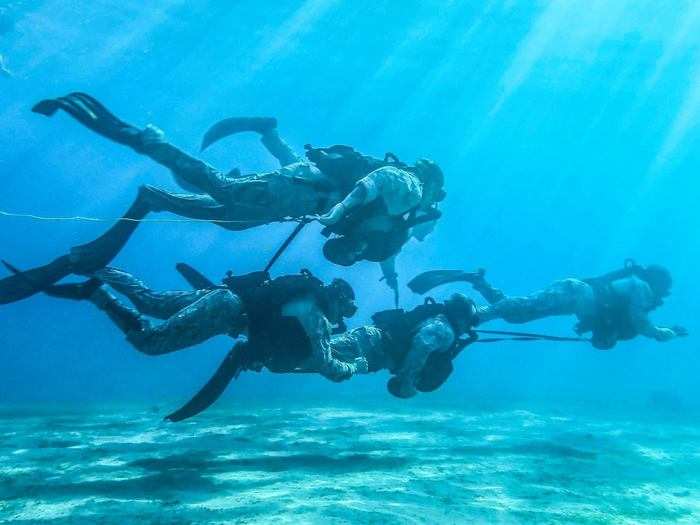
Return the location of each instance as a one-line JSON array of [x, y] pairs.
[[328, 365], [435, 335]]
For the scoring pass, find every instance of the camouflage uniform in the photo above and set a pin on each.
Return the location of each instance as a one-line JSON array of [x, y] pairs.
[[190, 317]]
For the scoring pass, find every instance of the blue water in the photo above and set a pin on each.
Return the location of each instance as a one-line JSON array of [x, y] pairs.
[[567, 133]]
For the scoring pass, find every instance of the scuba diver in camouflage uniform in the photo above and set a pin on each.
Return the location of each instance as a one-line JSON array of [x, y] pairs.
[[417, 347], [301, 187], [613, 307], [287, 320]]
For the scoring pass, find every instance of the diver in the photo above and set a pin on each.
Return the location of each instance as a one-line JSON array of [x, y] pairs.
[[306, 187], [386, 205], [417, 347], [286, 319], [377, 218], [613, 307], [422, 343]]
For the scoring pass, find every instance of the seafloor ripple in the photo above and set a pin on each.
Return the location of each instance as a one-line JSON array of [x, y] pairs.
[[338, 465]]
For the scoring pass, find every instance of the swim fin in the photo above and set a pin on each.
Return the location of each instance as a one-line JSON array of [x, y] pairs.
[[195, 279], [75, 291], [92, 114], [231, 126], [232, 365], [426, 281], [25, 284]]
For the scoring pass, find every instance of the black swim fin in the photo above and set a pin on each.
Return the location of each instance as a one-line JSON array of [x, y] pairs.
[[426, 281], [232, 365], [25, 284], [92, 114], [195, 279], [231, 126], [75, 291]]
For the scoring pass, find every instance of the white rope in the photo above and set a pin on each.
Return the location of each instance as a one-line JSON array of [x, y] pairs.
[[80, 218]]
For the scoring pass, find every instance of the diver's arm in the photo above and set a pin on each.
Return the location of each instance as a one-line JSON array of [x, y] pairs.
[[358, 196], [332, 368], [659, 333], [435, 335], [317, 329]]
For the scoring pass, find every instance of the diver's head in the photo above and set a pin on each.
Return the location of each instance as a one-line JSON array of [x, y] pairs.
[[659, 279], [461, 312], [433, 181], [341, 299], [344, 251]]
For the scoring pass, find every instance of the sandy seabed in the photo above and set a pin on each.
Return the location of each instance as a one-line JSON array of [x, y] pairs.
[[324, 464]]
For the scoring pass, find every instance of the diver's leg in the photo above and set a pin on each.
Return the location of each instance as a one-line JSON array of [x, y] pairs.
[[125, 318], [561, 298], [160, 305], [149, 141], [216, 313], [485, 288], [278, 148], [93, 115], [97, 254]]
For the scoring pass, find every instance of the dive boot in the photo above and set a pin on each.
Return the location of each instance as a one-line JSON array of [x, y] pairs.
[[127, 319]]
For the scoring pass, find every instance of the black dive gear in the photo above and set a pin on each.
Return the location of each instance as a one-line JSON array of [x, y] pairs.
[[356, 238], [399, 327]]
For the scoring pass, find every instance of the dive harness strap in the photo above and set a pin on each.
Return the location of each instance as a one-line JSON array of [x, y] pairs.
[[286, 243]]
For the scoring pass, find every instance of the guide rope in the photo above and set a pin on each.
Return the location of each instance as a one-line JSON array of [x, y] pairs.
[[81, 218]]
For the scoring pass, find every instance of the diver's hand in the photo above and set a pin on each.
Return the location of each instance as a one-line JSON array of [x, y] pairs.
[[151, 135], [679, 331], [333, 216], [361, 365]]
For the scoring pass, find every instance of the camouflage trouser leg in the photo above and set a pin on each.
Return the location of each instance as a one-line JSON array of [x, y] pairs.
[[218, 312], [254, 199], [160, 305], [278, 148], [566, 297]]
